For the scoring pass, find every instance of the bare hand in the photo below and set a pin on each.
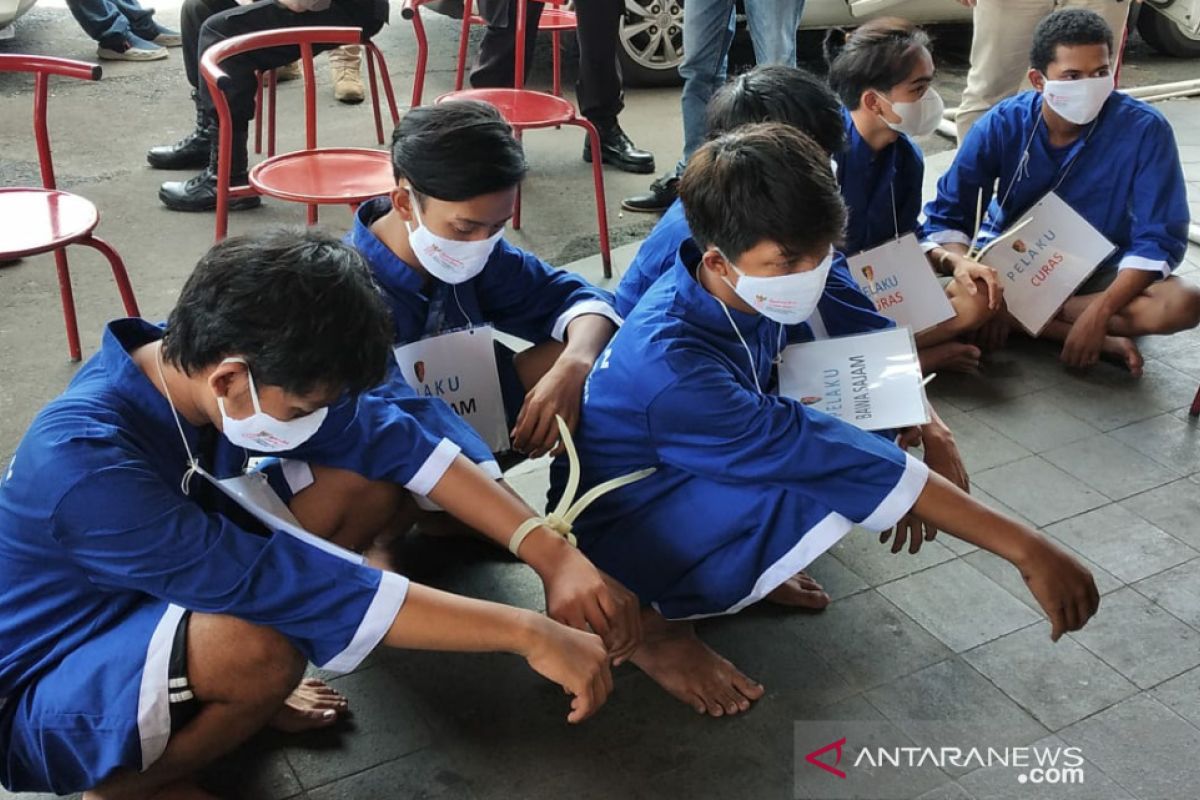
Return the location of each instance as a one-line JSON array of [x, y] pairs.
[[942, 456], [580, 595], [912, 529], [575, 661], [967, 272], [1063, 587], [993, 335], [559, 392], [1086, 339]]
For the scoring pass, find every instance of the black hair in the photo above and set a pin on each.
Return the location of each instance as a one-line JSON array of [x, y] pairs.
[[876, 55], [778, 93], [762, 182], [457, 150], [1069, 27], [298, 304]]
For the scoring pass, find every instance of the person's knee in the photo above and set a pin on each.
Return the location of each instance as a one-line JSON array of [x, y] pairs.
[[971, 310], [1185, 311], [347, 508], [1176, 308], [229, 657]]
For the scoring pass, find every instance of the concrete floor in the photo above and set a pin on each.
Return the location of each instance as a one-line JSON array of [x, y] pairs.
[[1106, 465]]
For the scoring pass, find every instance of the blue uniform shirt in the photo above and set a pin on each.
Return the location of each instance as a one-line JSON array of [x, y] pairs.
[[842, 310], [749, 487], [1122, 175], [882, 190], [95, 532]]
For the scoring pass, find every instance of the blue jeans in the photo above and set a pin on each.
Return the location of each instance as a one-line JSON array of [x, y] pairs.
[[113, 19], [708, 27]]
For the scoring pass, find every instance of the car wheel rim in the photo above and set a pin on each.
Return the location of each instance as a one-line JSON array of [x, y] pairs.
[[652, 33]]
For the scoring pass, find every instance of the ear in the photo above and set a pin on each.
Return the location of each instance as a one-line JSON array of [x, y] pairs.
[[715, 262], [228, 379], [402, 203], [870, 101], [1037, 79]]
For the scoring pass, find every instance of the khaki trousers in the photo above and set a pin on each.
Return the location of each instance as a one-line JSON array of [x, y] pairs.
[[1000, 48]]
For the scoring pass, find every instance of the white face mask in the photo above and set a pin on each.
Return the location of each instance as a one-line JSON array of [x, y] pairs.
[[448, 260], [262, 432], [1078, 101], [918, 118], [787, 299]]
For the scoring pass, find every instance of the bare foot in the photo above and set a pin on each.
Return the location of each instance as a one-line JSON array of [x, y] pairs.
[[690, 670], [950, 357], [800, 591], [1123, 351], [313, 704]]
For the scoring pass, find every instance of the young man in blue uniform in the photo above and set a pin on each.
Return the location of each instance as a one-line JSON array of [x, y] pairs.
[[750, 486], [151, 622], [1112, 159], [883, 74], [436, 245]]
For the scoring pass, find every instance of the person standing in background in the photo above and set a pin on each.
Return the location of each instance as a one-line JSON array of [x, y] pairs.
[[599, 90], [1000, 48], [124, 30], [708, 29]]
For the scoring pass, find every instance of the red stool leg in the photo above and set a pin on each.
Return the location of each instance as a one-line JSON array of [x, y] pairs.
[[68, 303], [1195, 409], [556, 43], [118, 271], [258, 112], [516, 220], [312, 214], [374, 95], [598, 180], [387, 83], [464, 36]]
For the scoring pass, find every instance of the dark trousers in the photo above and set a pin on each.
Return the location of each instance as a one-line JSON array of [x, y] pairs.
[[598, 89], [205, 22]]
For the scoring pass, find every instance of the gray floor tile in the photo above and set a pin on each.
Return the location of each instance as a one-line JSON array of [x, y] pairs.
[[959, 605], [949, 704], [981, 446], [1181, 694], [423, 775], [836, 578], [998, 782], [861, 551], [1122, 542], [1110, 467], [1175, 508], [1008, 577], [1144, 746], [1035, 422], [868, 641], [1177, 590], [1058, 682], [377, 732], [1110, 398], [1162, 648], [1038, 490], [1166, 439], [951, 791], [258, 770]]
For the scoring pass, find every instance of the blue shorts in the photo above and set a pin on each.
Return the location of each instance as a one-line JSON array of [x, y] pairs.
[[102, 708]]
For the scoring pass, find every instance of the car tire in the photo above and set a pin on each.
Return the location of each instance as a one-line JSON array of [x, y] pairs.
[[650, 39], [1165, 36]]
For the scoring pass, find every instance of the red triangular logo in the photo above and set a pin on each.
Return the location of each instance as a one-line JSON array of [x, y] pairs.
[[837, 746]]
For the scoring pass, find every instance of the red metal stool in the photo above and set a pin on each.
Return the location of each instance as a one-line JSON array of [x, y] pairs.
[[1195, 409], [314, 176], [523, 109], [554, 19], [35, 221], [267, 82]]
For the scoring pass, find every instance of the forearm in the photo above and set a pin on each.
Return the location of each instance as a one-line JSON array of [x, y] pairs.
[[587, 336], [950, 509], [496, 511], [1128, 284], [431, 619], [939, 257]]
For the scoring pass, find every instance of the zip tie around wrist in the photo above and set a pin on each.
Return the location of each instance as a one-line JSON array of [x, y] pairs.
[[562, 519]]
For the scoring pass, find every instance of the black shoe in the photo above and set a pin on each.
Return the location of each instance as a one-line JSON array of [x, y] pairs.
[[618, 151], [660, 197], [190, 152], [200, 193]]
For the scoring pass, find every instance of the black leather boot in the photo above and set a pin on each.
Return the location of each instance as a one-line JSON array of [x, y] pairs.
[[200, 193], [190, 152], [617, 150]]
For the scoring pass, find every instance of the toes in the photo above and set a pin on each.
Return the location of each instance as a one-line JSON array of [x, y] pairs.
[[749, 688]]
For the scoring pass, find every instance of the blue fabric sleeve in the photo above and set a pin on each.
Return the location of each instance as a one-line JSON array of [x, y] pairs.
[[975, 166], [1159, 205], [524, 296], [128, 530], [909, 180], [707, 424]]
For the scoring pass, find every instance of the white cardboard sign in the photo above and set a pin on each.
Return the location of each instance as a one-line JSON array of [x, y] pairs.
[[460, 368], [872, 380], [898, 279]]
